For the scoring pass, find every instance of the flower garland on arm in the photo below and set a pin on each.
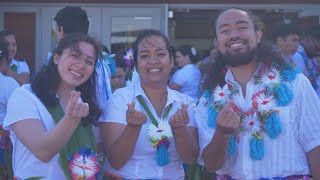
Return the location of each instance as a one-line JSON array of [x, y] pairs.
[[159, 133], [263, 117]]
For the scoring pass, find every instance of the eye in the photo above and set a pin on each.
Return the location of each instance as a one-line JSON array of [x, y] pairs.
[[224, 31], [90, 62], [144, 56]]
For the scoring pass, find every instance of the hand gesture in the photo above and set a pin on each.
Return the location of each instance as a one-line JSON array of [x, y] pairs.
[[75, 107], [134, 117], [228, 121], [180, 118]]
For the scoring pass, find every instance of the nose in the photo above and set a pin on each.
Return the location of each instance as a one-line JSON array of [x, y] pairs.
[[234, 34], [154, 59]]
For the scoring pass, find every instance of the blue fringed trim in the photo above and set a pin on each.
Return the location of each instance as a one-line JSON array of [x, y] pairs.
[[212, 116], [206, 93], [256, 148], [290, 74], [232, 145], [162, 156], [273, 125], [112, 65], [283, 94]]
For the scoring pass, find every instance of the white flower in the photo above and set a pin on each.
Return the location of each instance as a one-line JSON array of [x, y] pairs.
[[221, 94], [193, 51], [251, 123], [271, 77], [265, 103], [156, 133]]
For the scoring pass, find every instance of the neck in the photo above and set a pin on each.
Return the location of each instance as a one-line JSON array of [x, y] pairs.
[[244, 73], [63, 93]]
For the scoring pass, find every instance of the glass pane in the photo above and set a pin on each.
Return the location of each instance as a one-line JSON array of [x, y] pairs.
[[125, 30]]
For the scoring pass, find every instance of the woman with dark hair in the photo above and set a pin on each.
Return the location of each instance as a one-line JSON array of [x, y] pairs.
[[8, 85], [187, 79], [150, 129], [50, 120]]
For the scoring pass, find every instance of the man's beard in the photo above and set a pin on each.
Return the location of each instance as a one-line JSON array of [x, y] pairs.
[[238, 59]]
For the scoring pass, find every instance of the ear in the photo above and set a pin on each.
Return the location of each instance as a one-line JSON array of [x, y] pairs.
[[56, 59]]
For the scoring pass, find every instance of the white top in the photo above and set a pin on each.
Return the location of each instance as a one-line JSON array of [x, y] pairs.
[[8, 85], [22, 66], [189, 78], [285, 155], [24, 104], [142, 163]]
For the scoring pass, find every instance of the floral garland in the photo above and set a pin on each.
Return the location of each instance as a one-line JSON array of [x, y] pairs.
[[159, 134], [263, 116]]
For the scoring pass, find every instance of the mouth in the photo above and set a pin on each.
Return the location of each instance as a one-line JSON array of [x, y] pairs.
[[154, 70], [76, 74]]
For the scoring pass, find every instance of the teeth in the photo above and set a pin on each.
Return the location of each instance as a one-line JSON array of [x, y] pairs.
[[235, 45], [154, 70], [76, 74]]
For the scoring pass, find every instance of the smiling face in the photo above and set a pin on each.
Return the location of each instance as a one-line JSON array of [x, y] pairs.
[[75, 65], [153, 60], [236, 36], [12, 45]]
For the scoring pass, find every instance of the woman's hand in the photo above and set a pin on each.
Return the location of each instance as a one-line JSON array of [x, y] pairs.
[[75, 107], [180, 118], [134, 117]]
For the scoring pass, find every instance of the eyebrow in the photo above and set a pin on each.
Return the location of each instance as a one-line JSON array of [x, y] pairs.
[[158, 49], [238, 22]]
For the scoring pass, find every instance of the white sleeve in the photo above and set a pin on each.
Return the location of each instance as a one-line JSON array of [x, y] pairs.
[[205, 133], [20, 106], [308, 115], [23, 67], [179, 78], [115, 109]]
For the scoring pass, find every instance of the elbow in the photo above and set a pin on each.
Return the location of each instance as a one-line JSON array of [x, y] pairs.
[[116, 165], [213, 166], [192, 159]]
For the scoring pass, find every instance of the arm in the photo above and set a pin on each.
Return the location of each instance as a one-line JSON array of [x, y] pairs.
[[46, 144], [119, 140], [22, 78], [185, 138], [214, 153], [314, 162]]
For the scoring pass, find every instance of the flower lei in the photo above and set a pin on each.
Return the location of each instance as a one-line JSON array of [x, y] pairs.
[[263, 117], [110, 58], [159, 134]]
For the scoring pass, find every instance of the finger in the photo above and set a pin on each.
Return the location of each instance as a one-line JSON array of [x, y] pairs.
[[144, 118], [86, 111], [82, 108], [76, 109], [72, 99], [185, 116]]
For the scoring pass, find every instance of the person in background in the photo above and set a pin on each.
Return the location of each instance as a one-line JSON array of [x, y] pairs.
[[259, 118], [8, 85], [149, 129], [50, 121], [286, 38], [19, 70], [120, 78], [187, 79], [309, 49]]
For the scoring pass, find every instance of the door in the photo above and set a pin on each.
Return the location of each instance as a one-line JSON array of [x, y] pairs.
[[120, 26]]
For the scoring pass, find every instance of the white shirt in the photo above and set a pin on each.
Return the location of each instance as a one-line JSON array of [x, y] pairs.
[[283, 156], [22, 105], [8, 85], [22, 66], [142, 163], [189, 78]]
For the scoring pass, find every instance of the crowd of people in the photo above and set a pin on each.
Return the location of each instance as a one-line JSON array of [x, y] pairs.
[[251, 110]]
